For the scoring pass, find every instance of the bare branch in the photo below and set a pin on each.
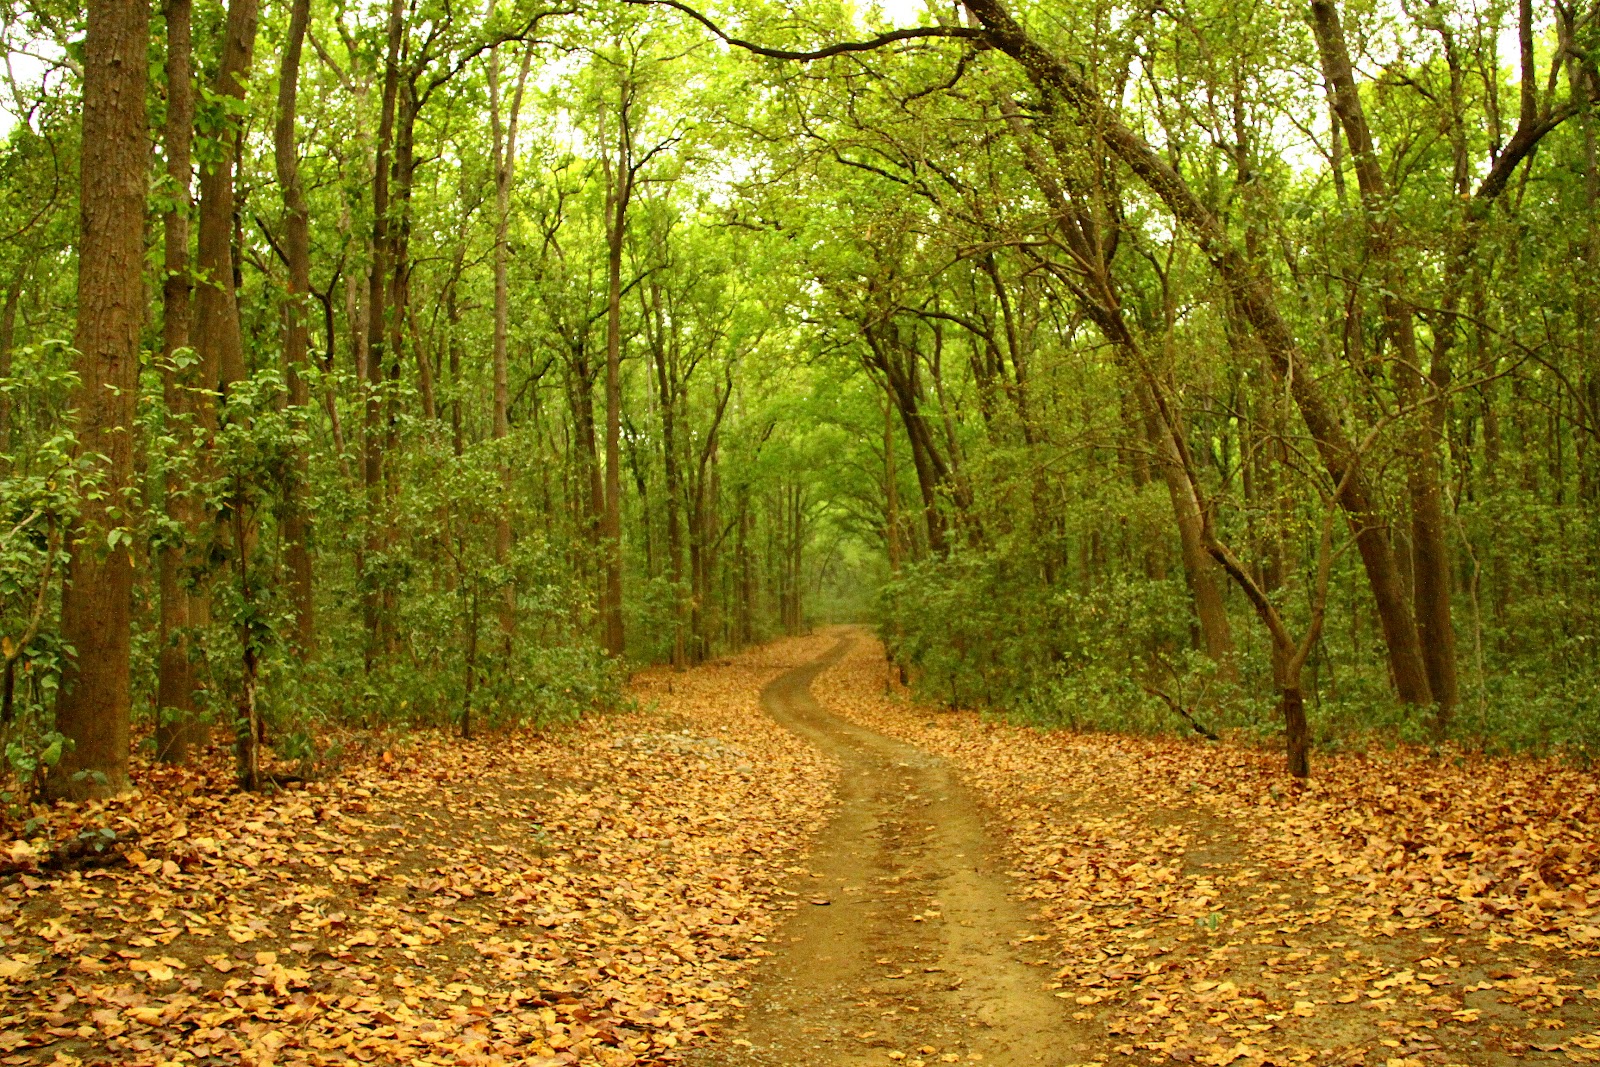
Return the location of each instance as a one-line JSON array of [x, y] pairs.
[[838, 49]]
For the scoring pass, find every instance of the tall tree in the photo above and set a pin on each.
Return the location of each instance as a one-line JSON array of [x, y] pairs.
[[177, 727], [503, 133], [96, 611], [621, 172], [296, 331]]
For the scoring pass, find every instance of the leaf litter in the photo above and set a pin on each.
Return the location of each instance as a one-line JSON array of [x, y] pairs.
[[597, 895], [592, 895], [1398, 910]]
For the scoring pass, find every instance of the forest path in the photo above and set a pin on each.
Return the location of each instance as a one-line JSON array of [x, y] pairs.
[[906, 940]]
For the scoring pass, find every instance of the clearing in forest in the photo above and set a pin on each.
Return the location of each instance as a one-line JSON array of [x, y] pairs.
[[779, 859]]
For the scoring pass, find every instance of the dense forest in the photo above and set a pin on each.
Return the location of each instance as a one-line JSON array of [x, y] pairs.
[[1198, 367]]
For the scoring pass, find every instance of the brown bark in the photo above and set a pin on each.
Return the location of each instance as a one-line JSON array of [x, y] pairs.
[[374, 618], [505, 157], [1201, 571], [93, 707], [219, 339], [1258, 304], [898, 365], [1297, 733], [458, 441], [1585, 80], [891, 493], [745, 622], [703, 492], [8, 330], [177, 729], [1289, 653], [402, 176], [590, 490], [296, 341], [668, 388], [619, 192], [219, 344]]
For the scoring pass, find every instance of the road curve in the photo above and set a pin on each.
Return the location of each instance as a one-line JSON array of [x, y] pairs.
[[905, 940]]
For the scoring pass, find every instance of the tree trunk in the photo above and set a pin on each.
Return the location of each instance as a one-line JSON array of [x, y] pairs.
[[1202, 572], [619, 190], [1589, 344], [219, 343], [373, 437], [589, 486], [797, 560], [219, 339], [402, 179], [1297, 733], [458, 440], [177, 728], [747, 575], [93, 707], [901, 383], [504, 148], [1097, 293], [667, 386], [891, 492], [8, 333], [296, 341]]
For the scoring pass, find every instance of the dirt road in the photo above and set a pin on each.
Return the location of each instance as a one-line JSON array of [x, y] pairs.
[[905, 940]]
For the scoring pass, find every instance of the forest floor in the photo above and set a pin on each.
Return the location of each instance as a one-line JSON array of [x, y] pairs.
[[779, 859]]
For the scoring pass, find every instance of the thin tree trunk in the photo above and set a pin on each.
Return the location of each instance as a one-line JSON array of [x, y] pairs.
[[590, 494], [1199, 568], [667, 386], [458, 441], [219, 339], [399, 310], [8, 333], [901, 384], [1589, 344], [891, 505], [504, 132], [177, 728], [93, 707], [372, 598], [797, 560], [219, 343], [1098, 295], [296, 342], [619, 191]]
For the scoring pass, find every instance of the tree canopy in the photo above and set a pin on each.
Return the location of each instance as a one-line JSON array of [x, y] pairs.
[[1190, 367]]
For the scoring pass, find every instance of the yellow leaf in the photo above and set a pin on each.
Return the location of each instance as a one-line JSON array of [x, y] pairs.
[[149, 1014]]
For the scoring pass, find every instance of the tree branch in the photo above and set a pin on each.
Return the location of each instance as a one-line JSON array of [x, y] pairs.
[[838, 49]]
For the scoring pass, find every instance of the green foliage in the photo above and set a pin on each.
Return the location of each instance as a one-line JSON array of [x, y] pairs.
[[40, 491], [864, 368]]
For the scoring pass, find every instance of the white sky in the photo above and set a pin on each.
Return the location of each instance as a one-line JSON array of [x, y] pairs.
[[24, 70], [903, 13]]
